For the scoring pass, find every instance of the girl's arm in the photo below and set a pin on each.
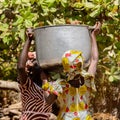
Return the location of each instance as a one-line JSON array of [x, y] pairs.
[[94, 50], [49, 97], [23, 58]]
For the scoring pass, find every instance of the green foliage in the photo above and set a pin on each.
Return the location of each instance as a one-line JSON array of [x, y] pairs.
[[17, 15]]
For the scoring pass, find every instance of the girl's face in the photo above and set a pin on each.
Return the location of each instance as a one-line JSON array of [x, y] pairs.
[[74, 83], [77, 81]]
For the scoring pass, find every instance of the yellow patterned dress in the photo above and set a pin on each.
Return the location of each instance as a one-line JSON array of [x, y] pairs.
[[74, 102]]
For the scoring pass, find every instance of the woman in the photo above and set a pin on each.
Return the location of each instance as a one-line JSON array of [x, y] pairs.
[[36, 103], [74, 92]]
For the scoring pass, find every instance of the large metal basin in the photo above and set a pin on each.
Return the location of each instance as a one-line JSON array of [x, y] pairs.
[[52, 41]]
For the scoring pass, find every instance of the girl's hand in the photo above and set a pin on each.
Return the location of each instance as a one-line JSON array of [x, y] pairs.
[[52, 116], [43, 77]]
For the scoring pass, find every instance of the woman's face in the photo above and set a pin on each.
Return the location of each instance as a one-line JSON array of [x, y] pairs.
[[31, 55]]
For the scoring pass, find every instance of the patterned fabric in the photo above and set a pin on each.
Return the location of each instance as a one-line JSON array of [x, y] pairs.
[[34, 106], [74, 102], [72, 60]]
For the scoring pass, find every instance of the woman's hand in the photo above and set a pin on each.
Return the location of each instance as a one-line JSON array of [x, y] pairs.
[[97, 27], [29, 33]]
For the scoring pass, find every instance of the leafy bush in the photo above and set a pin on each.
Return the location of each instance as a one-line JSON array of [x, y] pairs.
[[17, 15]]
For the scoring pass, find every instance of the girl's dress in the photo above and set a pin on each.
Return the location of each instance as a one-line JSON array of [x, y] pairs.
[[74, 102]]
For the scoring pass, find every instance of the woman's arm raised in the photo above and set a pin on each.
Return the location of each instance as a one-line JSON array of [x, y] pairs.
[[94, 50], [23, 57]]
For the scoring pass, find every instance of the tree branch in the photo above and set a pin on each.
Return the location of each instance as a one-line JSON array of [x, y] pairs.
[[9, 85]]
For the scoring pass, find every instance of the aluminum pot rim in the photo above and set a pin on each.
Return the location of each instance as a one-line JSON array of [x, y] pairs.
[[50, 26]]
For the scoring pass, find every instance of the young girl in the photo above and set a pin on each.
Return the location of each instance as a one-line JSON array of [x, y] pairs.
[[74, 91]]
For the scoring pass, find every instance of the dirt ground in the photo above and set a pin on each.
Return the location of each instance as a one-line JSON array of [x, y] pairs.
[[10, 107]]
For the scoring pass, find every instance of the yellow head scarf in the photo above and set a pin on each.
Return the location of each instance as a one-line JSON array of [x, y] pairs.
[[72, 60]]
